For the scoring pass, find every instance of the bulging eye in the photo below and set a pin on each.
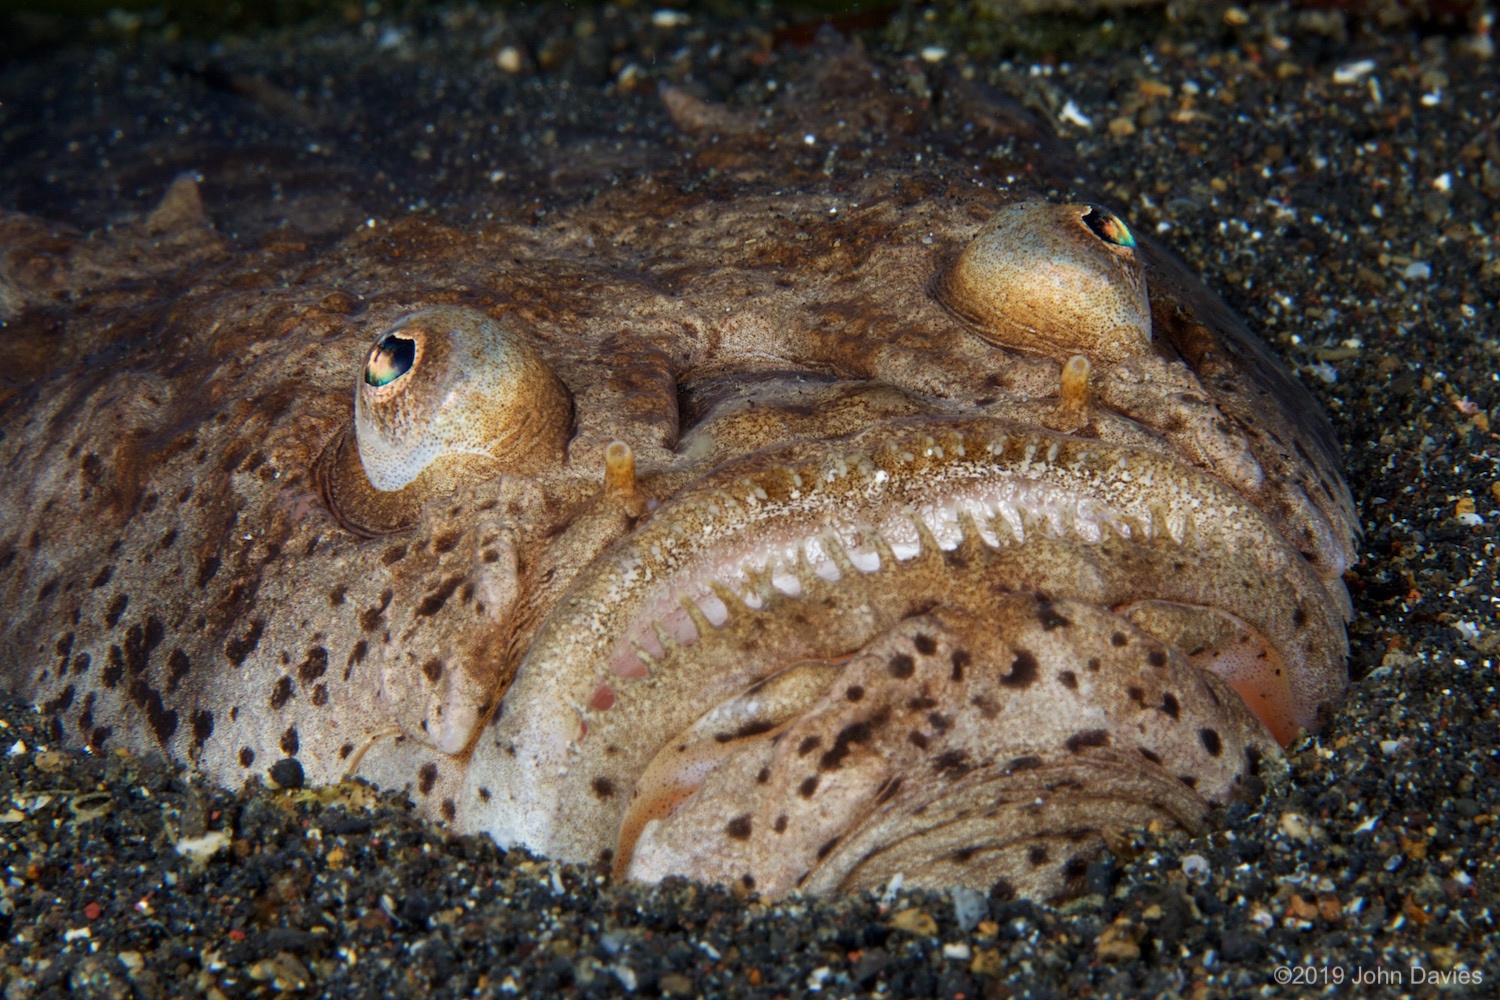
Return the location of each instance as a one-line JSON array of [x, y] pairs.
[[1057, 280], [390, 358], [446, 396], [1109, 227]]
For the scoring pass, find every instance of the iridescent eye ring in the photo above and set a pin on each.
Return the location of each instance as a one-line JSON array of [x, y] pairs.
[[1109, 227], [390, 358]]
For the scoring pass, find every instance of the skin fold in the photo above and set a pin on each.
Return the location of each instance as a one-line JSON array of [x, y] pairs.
[[787, 533]]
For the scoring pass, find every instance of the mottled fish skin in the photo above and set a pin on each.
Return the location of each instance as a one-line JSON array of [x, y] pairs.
[[702, 530]]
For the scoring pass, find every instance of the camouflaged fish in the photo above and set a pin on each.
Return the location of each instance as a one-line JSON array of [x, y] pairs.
[[747, 521]]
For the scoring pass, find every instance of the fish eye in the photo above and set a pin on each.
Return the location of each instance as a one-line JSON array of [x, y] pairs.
[[446, 397], [390, 358], [1031, 280], [1109, 227]]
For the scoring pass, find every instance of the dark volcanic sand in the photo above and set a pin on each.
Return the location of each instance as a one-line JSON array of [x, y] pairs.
[[1347, 211]]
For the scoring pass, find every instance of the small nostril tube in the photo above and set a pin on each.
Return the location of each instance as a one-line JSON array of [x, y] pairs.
[[1073, 398], [619, 469]]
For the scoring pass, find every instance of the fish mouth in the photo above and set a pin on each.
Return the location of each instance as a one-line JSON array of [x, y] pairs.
[[733, 614]]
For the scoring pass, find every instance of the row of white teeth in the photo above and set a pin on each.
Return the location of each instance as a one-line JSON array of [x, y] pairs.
[[1001, 516]]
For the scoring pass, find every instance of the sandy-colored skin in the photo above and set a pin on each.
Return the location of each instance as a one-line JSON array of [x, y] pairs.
[[738, 539]]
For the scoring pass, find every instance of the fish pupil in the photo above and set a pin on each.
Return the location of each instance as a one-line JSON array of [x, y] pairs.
[[1109, 227], [391, 358]]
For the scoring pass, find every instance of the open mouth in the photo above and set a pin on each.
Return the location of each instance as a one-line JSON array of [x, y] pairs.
[[730, 691]]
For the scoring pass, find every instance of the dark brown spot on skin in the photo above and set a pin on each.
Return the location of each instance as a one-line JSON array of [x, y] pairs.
[[987, 707], [161, 718], [1028, 763], [1023, 671], [203, 726], [1118, 639], [247, 756], [433, 670], [314, 666], [1036, 855], [116, 608], [921, 704], [1048, 616], [449, 810], [748, 881], [855, 732], [114, 666], [827, 848], [141, 642], [81, 663], [744, 732], [238, 650], [780, 825], [1150, 755], [854, 692], [484, 796], [1069, 680], [104, 575], [290, 744], [1252, 757], [207, 570], [1088, 738], [345, 751], [925, 644], [764, 776], [1299, 617], [918, 739], [1156, 658], [1003, 891], [178, 666], [433, 602], [281, 693], [901, 666], [393, 555], [356, 656], [962, 856], [938, 721], [1211, 742], [427, 777], [952, 763], [1169, 705], [320, 695], [1093, 664], [337, 595], [808, 786], [1137, 694], [369, 619], [960, 660], [1188, 779], [739, 827], [808, 745], [604, 788], [1075, 869], [99, 735], [62, 702]]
